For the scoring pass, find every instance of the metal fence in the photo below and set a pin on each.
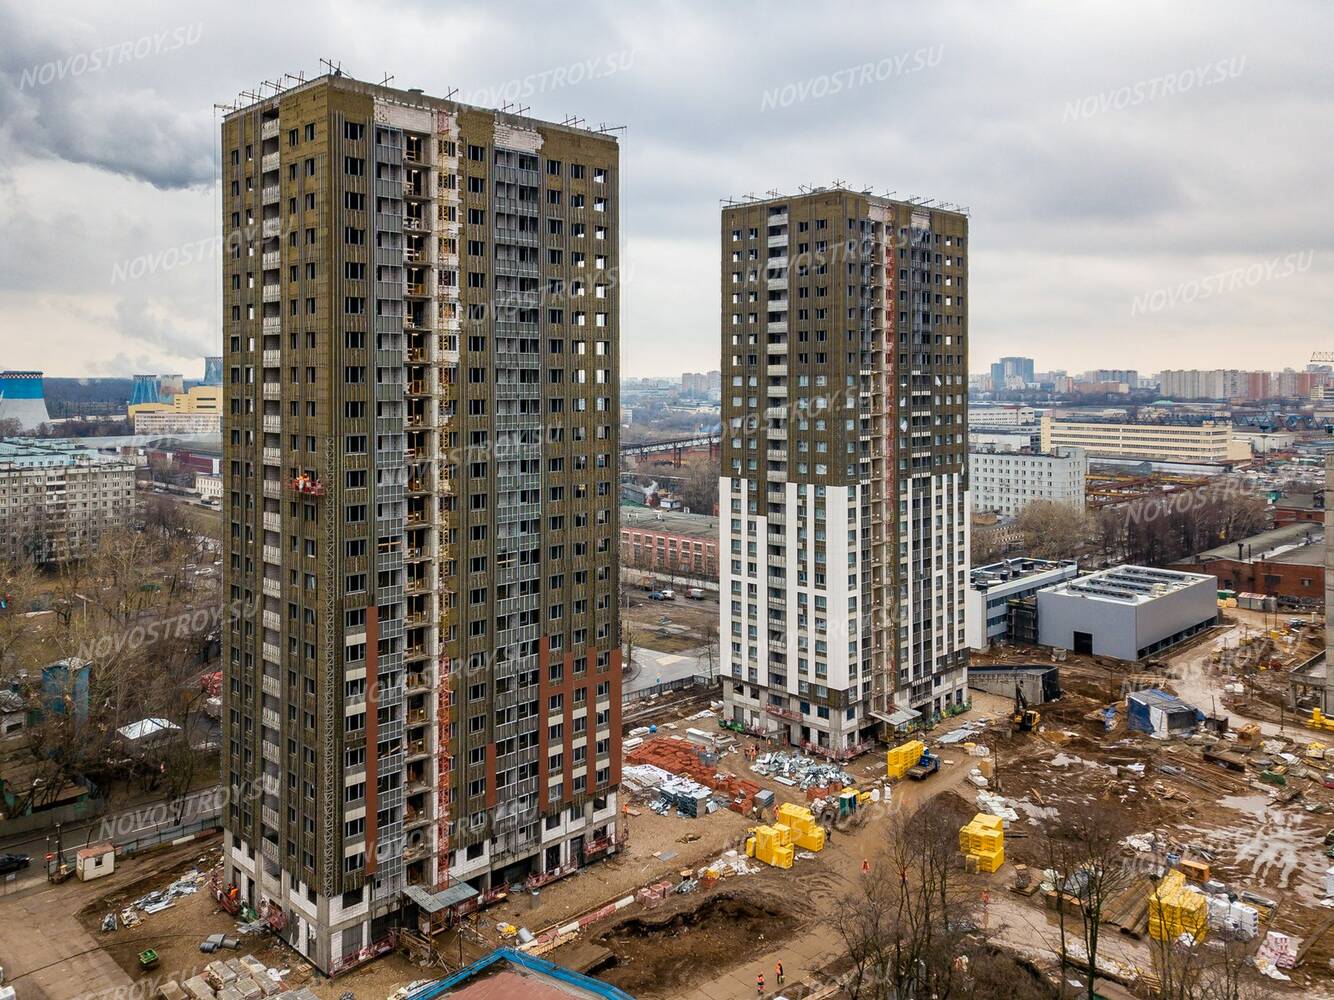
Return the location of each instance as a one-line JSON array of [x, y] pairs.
[[680, 683]]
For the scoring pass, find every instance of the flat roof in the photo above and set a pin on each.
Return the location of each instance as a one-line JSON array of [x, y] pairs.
[[1014, 570], [1130, 585], [20, 452], [415, 97], [1301, 543], [678, 522]]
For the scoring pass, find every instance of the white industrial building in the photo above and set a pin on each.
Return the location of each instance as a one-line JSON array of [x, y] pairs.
[[1004, 438], [985, 415], [1128, 612], [1006, 481], [992, 587]]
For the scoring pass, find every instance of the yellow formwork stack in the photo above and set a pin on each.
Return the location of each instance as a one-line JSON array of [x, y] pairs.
[[1175, 910], [805, 832], [900, 758], [772, 845], [983, 841]]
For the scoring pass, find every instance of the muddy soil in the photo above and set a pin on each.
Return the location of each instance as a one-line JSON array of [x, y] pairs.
[[653, 953]]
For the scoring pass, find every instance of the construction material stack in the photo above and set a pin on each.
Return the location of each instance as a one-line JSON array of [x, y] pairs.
[[1175, 909], [982, 842], [899, 759], [804, 832], [772, 845]]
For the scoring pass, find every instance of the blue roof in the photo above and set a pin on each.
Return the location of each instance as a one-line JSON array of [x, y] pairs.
[[530, 963], [1162, 699]]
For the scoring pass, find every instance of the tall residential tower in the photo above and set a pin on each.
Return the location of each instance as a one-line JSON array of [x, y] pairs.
[[843, 500], [420, 369]]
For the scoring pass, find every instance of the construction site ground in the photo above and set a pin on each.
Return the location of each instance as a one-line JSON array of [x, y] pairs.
[[709, 944]]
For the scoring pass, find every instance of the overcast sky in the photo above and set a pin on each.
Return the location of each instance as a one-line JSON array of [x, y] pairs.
[[1148, 183]]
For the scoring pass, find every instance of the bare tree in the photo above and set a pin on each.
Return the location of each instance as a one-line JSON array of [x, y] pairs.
[[1084, 850], [905, 928], [1053, 530]]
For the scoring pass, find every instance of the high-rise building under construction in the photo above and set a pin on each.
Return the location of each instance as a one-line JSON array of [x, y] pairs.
[[422, 700], [843, 497]]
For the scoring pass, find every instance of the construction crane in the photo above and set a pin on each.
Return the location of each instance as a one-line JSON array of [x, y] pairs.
[[1322, 357], [1023, 718]]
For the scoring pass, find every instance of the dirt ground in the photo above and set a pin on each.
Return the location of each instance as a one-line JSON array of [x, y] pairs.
[[655, 953], [670, 626]]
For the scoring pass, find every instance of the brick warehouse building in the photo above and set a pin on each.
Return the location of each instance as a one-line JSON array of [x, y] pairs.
[[671, 542], [1284, 562]]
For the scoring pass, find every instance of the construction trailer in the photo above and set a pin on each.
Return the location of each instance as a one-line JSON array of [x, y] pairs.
[[1161, 715]]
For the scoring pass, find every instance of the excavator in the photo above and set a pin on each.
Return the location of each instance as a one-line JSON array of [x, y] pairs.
[[1023, 718]]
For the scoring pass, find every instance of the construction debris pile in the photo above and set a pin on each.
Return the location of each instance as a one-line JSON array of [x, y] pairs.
[[157, 900], [683, 759], [799, 771]]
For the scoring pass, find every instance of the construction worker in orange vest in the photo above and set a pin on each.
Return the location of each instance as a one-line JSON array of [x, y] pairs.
[[759, 985]]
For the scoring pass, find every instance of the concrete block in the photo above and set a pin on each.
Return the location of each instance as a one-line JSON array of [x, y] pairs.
[[198, 988]]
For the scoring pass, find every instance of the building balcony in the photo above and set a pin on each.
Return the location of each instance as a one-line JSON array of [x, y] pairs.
[[273, 489], [272, 423], [269, 129], [269, 196], [271, 293], [271, 260], [273, 456], [272, 521], [271, 228], [777, 326], [272, 324], [271, 358], [272, 588], [268, 162]]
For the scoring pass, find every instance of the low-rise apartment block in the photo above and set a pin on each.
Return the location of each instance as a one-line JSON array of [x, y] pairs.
[[58, 497], [1007, 482]]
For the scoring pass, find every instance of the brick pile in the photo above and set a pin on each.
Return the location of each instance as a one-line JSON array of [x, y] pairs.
[[681, 757]]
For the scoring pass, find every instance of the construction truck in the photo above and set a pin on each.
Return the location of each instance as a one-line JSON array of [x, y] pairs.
[[928, 765], [1023, 719]]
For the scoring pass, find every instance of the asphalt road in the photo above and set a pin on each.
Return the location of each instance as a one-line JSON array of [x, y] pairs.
[[122, 827]]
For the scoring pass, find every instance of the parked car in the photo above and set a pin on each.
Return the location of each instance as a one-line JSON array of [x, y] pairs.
[[695, 594], [13, 863], [661, 595]]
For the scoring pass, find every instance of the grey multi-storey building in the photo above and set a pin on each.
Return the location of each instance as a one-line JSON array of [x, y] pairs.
[[843, 499], [421, 353]]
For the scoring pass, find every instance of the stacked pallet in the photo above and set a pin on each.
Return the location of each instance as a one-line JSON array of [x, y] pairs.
[[1175, 909], [982, 842], [899, 759], [805, 832]]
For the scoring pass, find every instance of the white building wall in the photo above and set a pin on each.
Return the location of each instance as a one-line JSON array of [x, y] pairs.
[[1006, 482]]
